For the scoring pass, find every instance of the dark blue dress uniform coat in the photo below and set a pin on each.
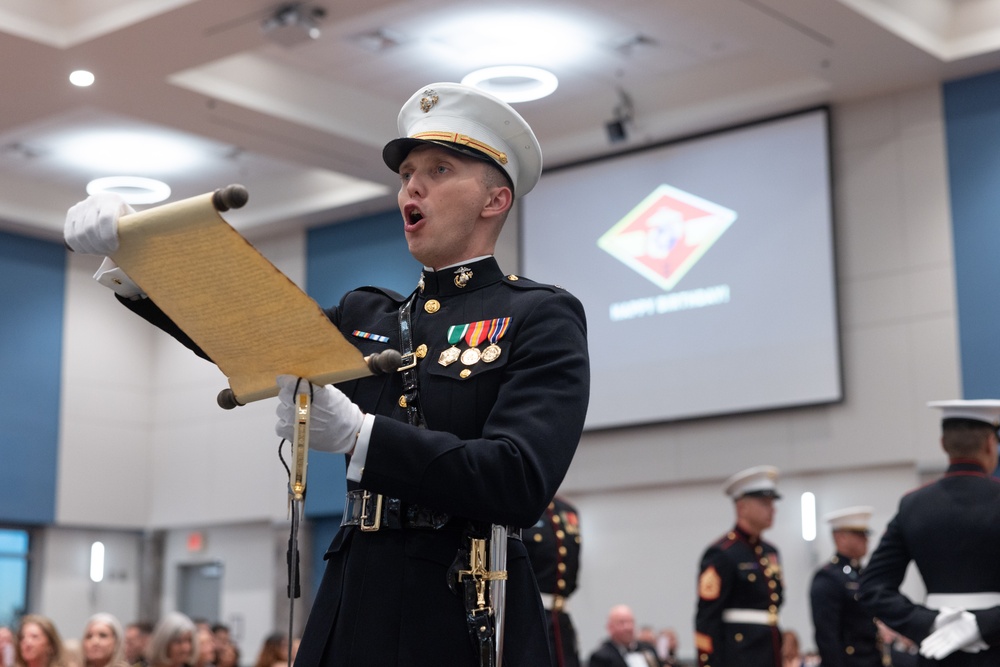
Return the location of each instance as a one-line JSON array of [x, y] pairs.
[[951, 530], [553, 545], [498, 441], [738, 572], [846, 634]]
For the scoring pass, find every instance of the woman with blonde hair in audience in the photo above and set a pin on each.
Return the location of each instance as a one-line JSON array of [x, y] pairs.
[[103, 642], [174, 642], [39, 643]]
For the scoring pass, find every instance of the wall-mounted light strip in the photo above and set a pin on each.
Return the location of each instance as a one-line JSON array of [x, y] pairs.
[[808, 516], [97, 561]]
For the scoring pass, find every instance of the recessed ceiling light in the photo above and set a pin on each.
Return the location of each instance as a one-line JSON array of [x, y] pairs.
[[81, 78], [514, 83], [133, 189], [131, 150]]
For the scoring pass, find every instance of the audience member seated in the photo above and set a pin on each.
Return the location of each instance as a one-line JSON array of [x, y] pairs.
[[666, 647], [7, 649], [39, 643], [622, 649], [204, 646], [172, 643], [103, 643], [273, 652], [136, 640], [227, 655], [791, 654]]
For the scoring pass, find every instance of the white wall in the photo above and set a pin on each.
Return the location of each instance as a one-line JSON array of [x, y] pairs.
[[65, 591], [143, 444]]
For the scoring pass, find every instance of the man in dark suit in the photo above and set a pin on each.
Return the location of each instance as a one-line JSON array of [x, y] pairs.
[[846, 634], [553, 545], [476, 430], [951, 530], [622, 649], [740, 582]]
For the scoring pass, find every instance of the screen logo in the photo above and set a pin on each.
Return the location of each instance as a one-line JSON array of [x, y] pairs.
[[666, 234]]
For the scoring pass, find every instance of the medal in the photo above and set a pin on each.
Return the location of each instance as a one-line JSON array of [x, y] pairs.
[[475, 335], [455, 333], [498, 328], [471, 356]]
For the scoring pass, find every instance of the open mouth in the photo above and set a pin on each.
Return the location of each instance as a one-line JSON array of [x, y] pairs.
[[412, 215]]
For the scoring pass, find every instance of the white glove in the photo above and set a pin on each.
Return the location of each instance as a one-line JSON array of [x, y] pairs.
[[954, 630], [334, 421], [92, 225]]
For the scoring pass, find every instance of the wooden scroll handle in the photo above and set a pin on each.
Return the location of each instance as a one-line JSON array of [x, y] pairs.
[[231, 196]]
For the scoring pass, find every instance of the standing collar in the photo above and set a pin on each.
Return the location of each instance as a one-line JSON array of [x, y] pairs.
[[745, 536], [964, 466], [460, 278]]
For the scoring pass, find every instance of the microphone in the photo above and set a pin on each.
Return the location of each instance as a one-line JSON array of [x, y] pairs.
[[379, 363]]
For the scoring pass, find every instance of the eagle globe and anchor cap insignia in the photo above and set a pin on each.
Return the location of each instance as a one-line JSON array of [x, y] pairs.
[[428, 101], [666, 234]]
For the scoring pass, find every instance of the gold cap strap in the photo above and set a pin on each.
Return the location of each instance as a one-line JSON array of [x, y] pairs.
[[463, 140]]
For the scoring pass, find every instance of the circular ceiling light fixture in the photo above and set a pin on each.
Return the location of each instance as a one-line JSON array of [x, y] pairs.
[[81, 78], [514, 83], [133, 189]]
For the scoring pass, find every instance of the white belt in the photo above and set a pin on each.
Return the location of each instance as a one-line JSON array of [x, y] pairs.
[[752, 616], [963, 600], [554, 602]]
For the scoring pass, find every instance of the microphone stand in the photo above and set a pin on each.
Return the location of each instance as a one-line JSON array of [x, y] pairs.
[[296, 500]]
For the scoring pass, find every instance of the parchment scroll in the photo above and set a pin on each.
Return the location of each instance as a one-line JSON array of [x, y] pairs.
[[250, 318]]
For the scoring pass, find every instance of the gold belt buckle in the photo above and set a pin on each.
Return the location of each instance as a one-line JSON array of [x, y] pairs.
[[409, 360], [370, 525]]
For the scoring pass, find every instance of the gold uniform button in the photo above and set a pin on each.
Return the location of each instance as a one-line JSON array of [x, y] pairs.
[[560, 534], [772, 585], [739, 636], [561, 584], [402, 401], [751, 577], [432, 306], [562, 551], [774, 596], [773, 609], [849, 650], [421, 351], [556, 518], [561, 567], [538, 537], [464, 374], [512, 277]]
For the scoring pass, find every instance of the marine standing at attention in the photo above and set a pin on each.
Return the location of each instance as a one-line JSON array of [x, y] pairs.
[[740, 583]]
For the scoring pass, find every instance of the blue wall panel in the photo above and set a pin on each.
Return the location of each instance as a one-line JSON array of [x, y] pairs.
[[33, 275], [972, 121], [339, 258]]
